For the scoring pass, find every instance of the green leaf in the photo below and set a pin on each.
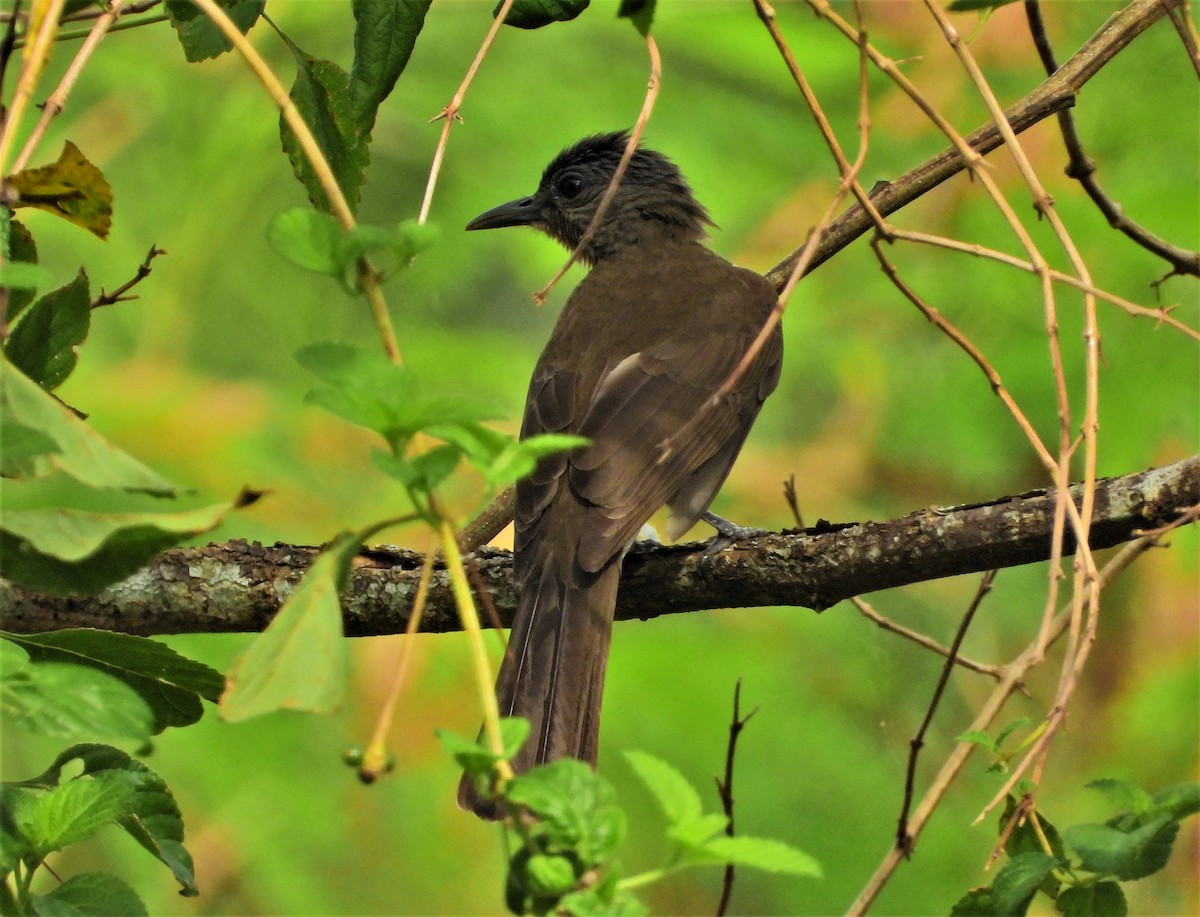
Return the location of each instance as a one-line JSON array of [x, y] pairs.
[[82, 452], [576, 808], [300, 661], [678, 798], [1010, 729], [171, 684], [1126, 855], [975, 903], [640, 12], [1099, 899], [44, 340], [1123, 794], [549, 875], [20, 271], [77, 809], [71, 188], [22, 445], [765, 854], [322, 96], [23, 278], [520, 458], [422, 473], [153, 818], [1018, 881], [90, 894], [1178, 802], [62, 536], [308, 238], [15, 805], [74, 702], [366, 388], [695, 833], [398, 246], [979, 737], [1024, 839], [197, 34], [533, 14], [385, 32], [476, 757]]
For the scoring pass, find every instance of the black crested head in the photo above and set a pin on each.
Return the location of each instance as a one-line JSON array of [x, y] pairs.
[[653, 202]]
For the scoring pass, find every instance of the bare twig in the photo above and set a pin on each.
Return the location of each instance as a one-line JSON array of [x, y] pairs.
[[725, 787], [118, 295], [869, 612], [450, 113], [1081, 168], [635, 136], [904, 840]]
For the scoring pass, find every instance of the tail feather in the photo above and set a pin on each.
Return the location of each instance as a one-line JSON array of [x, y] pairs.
[[553, 671]]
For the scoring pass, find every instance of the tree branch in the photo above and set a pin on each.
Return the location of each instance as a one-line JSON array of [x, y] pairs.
[[239, 586], [1055, 94]]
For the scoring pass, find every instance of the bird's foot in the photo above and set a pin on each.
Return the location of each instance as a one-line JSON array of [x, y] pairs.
[[728, 532]]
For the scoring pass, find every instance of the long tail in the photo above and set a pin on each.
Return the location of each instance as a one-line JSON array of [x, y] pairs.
[[553, 672]]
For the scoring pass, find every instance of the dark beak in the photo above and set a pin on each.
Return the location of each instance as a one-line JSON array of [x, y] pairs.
[[521, 212]]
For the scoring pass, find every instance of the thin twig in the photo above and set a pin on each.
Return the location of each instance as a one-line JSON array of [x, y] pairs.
[[871, 614], [1185, 26], [450, 113], [725, 787], [904, 841], [1081, 168], [1015, 673], [635, 136], [118, 295], [35, 61]]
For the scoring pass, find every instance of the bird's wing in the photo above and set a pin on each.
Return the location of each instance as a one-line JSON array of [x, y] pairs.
[[658, 438]]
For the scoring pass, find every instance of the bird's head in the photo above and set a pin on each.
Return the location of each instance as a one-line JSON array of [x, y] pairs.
[[653, 201]]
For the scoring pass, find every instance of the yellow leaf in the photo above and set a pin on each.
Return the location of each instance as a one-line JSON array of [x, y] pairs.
[[72, 188]]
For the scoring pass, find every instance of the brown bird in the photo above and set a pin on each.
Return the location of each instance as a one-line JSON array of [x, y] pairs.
[[641, 347]]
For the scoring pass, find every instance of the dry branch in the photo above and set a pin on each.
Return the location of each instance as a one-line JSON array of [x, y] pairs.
[[239, 586]]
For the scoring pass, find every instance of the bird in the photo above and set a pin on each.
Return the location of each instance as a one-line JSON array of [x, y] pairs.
[[639, 351]]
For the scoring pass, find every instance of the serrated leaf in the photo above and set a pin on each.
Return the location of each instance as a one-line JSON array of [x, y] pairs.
[[1126, 855], [71, 188], [697, 832], [76, 810], [90, 894], [576, 807], [421, 473], [533, 14], [765, 854], [322, 96], [1099, 899], [15, 803], [677, 797], [1024, 838], [398, 246], [300, 661], [82, 452], [171, 684], [520, 458], [200, 38], [385, 32], [549, 875], [308, 238], [153, 819], [1018, 881], [1011, 728], [74, 702], [22, 279], [44, 340]]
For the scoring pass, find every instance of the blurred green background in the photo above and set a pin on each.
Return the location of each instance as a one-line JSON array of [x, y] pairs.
[[876, 415]]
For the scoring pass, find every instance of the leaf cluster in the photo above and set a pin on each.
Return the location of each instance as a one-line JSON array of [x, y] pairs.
[[1082, 867]]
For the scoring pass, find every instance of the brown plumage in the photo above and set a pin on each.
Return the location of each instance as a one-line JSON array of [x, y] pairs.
[[643, 343]]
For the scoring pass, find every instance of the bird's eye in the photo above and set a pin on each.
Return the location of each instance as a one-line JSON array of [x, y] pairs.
[[569, 186]]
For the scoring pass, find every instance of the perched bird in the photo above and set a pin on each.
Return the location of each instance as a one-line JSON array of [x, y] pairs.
[[657, 326]]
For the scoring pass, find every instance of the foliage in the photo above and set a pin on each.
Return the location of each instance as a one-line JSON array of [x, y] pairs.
[[1133, 844]]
